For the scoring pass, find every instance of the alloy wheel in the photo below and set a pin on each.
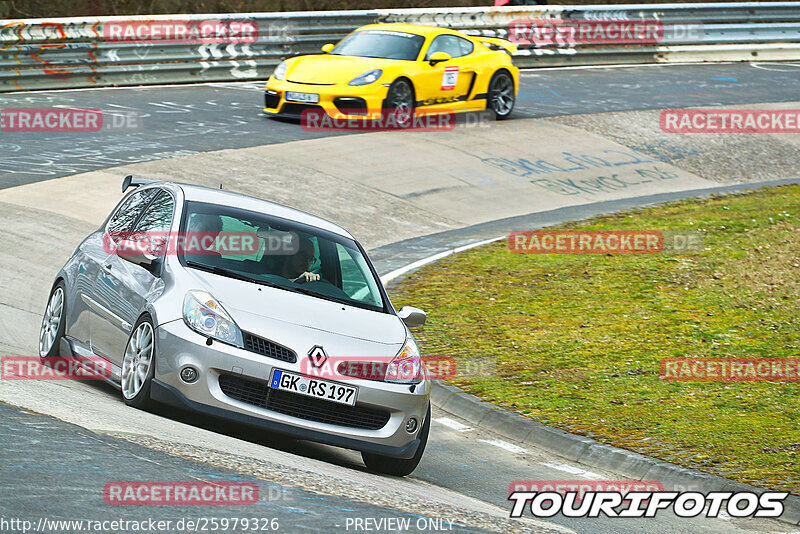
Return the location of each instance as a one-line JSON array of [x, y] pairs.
[[137, 360]]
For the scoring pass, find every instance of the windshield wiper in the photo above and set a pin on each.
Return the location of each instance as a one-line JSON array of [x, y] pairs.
[[233, 274]]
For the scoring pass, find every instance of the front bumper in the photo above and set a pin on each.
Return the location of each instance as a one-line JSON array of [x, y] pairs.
[[178, 346], [339, 101]]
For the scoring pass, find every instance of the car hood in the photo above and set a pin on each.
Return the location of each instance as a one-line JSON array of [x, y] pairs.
[[266, 311], [330, 69]]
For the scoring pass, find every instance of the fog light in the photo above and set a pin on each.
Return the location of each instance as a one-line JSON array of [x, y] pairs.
[[189, 374], [411, 425]]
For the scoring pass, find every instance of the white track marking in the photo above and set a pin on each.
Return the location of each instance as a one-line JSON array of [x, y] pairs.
[[779, 67], [533, 70], [430, 259], [510, 447], [572, 470], [452, 423]]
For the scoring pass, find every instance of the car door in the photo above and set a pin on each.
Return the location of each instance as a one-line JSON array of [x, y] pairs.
[[88, 258], [122, 287], [91, 255], [448, 82]]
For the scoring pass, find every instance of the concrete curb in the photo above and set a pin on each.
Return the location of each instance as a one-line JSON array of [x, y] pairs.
[[587, 451]]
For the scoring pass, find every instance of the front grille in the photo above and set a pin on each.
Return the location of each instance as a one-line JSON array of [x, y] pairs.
[[267, 348], [298, 109], [272, 99], [260, 394]]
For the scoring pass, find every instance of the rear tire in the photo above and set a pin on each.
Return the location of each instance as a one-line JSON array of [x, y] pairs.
[[399, 466], [501, 97]]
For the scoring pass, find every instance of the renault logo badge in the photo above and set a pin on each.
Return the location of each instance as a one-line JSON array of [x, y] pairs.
[[317, 356]]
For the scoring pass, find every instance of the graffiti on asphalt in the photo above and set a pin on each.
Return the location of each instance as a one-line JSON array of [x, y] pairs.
[[646, 170]]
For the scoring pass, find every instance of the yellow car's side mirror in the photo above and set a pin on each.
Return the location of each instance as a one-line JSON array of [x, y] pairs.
[[438, 57], [327, 47]]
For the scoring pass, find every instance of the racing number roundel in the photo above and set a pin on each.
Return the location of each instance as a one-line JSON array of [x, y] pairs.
[[449, 78]]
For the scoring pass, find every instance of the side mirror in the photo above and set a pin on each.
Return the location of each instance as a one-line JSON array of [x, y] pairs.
[[327, 47], [412, 316], [438, 57], [130, 251]]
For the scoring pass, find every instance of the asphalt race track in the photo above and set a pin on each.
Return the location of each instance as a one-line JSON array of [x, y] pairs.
[[179, 120], [70, 438]]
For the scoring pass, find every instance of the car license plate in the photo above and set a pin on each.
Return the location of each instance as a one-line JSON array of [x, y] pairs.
[[302, 97], [312, 387]]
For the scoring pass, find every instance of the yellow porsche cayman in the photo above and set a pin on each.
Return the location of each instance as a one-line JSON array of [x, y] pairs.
[[399, 67]]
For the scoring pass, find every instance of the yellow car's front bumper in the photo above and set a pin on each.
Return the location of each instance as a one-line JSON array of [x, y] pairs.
[[338, 101]]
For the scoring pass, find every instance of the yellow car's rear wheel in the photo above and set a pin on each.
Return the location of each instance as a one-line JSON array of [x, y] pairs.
[[400, 102], [501, 94]]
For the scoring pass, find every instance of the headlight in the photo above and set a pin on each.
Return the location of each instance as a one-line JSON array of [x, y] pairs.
[[367, 78], [206, 316], [280, 71], [406, 367]]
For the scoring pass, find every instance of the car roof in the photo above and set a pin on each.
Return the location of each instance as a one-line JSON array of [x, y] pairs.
[[418, 29], [199, 193]]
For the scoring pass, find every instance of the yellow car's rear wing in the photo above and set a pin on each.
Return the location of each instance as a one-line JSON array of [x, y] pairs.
[[509, 47]]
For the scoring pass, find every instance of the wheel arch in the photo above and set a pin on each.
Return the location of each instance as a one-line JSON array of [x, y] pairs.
[[410, 82], [498, 71]]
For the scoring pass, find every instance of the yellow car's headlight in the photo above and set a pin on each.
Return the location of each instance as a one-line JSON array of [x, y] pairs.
[[280, 71], [367, 78]]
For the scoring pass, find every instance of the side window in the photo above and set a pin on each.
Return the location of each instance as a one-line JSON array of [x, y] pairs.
[[357, 281], [158, 217], [127, 213], [466, 46], [157, 220], [451, 45]]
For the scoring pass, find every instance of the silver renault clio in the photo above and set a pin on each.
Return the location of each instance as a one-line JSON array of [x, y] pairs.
[[239, 308]]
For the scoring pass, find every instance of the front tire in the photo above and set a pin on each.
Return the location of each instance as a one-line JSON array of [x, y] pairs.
[[400, 102], [501, 96], [398, 466], [138, 364], [53, 323]]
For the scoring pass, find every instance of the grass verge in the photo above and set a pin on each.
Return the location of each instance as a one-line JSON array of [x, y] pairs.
[[576, 341]]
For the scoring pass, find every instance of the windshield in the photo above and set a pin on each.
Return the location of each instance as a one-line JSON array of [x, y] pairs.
[[268, 250], [381, 43]]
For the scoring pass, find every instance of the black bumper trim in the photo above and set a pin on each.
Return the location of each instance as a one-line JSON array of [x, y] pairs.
[[166, 394]]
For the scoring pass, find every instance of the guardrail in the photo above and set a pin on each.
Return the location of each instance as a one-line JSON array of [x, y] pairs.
[[70, 53]]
